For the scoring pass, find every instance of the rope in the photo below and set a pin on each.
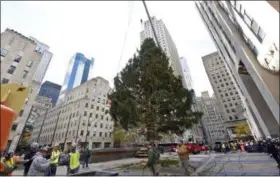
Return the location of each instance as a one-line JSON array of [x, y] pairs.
[[129, 21]]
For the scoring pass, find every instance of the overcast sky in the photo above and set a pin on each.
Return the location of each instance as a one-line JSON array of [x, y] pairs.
[[97, 29]]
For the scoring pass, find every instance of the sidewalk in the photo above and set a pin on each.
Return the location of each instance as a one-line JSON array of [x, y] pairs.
[[241, 164], [61, 170]]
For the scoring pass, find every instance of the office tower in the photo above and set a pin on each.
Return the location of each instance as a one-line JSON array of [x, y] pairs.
[[212, 120], [251, 55], [165, 41], [83, 118], [45, 60], [187, 79], [40, 106], [195, 131], [50, 90], [78, 72], [22, 62], [227, 95]]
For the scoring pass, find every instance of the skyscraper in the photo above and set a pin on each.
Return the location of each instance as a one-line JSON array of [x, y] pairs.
[[212, 120], [23, 60], [228, 96], [50, 90], [45, 60], [187, 79], [165, 40], [252, 56], [78, 72]]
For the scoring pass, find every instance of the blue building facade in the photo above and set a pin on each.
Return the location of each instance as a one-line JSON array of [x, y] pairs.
[[50, 90], [79, 71]]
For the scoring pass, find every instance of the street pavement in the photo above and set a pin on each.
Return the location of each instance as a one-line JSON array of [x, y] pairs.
[[112, 165], [240, 164], [214, 164]]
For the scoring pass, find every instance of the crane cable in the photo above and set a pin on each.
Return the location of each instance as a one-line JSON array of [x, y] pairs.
[[124, 42]]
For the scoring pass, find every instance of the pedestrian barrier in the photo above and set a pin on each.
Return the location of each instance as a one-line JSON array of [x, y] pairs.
[[108, 154]]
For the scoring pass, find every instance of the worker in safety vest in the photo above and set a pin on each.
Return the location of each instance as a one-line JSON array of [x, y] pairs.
[[54, 160], [74, 160], [183, 154], [8, 164]]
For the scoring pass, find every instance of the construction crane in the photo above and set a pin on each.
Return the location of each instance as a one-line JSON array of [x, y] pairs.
[[13, 97]]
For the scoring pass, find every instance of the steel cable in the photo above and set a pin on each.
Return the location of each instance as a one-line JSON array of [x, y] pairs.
[[125, 37]]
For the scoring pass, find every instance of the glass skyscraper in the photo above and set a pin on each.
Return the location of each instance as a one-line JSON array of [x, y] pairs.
[[50, 90], [79, 71]]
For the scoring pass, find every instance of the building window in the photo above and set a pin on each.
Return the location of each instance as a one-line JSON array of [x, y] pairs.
[[261, 35], [85, 113], [100, 134], [4, 81], [29, 63], [255, 27], [101, 125], [4, 52], [82, 133], [90, 114], [96, 116], [92, 106], [86, 105], [11, 69], [97, 108], [17, 58], [24, 74]]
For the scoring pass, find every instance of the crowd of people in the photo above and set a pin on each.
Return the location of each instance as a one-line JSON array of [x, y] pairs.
[[40, 161], [269, 145]]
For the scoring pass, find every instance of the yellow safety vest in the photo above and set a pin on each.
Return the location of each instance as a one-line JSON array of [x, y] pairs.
[[55, 157], [74, 160], [182, 151], [8, 164]]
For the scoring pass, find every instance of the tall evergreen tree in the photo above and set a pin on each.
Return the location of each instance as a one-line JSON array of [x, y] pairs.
[[147, 94]]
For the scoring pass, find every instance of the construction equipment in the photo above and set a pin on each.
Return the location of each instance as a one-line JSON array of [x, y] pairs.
[[13, 97]]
